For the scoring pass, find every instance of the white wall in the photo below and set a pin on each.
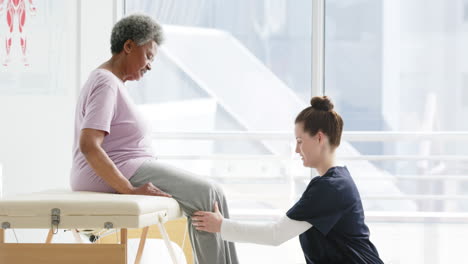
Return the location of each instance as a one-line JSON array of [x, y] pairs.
[[36, 131], [98, 17], [35, 141]]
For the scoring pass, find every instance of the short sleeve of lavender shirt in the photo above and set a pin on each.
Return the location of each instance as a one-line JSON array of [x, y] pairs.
[[99, 109]]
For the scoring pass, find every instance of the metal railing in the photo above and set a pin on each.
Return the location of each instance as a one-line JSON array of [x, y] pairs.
[[347, 136], [360, 136], [350, 137], [371, 216]]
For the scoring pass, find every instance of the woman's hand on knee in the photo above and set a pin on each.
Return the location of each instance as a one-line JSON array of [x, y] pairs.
[[208, 221], [150, 189]]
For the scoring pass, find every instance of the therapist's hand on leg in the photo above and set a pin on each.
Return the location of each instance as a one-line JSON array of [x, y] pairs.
[[208, 221]]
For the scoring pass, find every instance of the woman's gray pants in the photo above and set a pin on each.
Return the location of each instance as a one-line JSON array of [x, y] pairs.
[[193, 193]]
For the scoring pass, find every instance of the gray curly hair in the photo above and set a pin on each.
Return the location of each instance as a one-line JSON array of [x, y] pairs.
[[137, 27]]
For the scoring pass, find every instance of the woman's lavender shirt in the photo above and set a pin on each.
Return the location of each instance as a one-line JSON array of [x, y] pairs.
[[104, 104]]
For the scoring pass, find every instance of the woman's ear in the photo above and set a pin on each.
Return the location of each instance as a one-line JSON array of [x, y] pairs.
[[128, 46], [320, 136]]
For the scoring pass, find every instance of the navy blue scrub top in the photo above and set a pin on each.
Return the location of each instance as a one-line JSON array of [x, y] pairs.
[[332, 205]]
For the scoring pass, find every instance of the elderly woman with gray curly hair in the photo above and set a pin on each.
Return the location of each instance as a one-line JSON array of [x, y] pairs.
[[112, 144]]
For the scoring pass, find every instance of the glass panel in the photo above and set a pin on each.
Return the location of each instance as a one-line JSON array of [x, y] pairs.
[[230, 66], [390, 67], [394, 66], [395, 70]]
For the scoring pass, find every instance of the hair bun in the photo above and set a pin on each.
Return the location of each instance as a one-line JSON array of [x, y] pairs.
[[321, 103]]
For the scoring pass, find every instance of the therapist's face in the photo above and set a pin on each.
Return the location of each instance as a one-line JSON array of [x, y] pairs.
[[309, 147], [139, 59]]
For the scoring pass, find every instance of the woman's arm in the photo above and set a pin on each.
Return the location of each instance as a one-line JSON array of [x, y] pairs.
[[274, 233], [90, 145]]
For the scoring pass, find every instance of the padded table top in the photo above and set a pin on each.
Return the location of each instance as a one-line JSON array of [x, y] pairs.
[[87, 206]]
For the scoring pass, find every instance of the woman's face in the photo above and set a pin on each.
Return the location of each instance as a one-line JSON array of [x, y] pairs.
[[309, 147], [139, 59]]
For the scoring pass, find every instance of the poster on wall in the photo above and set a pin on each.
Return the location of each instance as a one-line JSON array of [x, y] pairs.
[[38, 44]]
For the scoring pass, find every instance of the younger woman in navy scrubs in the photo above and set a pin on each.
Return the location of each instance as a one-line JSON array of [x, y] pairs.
[[329, 217]]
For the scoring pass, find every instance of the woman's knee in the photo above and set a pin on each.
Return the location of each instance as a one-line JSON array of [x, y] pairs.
[[211, 189], [207, 194], [218, 189], [213, 193]]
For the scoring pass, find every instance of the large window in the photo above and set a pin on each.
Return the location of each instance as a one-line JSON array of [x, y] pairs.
[[239, 66], [395, 70], [230, 66], [389, 68]]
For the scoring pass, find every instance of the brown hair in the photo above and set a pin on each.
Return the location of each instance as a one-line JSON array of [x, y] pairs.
[[320, 116]]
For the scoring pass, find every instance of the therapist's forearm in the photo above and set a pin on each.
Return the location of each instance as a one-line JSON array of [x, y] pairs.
[[274, 233], [100, 162]]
